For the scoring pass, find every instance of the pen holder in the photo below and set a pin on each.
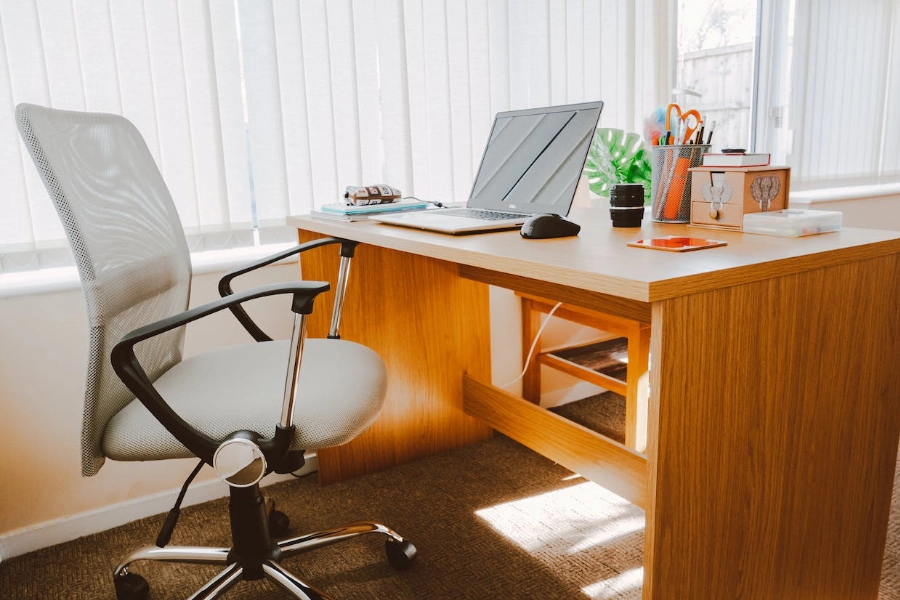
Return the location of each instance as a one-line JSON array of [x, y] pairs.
[[670, 185]]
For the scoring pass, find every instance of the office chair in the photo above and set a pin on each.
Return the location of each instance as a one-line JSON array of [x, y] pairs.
[[246, 410]]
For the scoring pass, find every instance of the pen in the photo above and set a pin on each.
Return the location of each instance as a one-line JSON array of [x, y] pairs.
[[712, 127]]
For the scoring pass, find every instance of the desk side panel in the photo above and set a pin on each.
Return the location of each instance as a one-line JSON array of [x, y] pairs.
[[774, 425], [429, 326]]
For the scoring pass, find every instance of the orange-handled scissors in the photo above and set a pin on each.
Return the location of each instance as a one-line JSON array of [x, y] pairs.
[[685, 124]]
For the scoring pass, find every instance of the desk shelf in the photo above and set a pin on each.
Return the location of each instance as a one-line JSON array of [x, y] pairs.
[[603, 363], [618, 361]]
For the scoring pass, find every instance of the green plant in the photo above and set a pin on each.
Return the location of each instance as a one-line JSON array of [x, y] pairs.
[[617, 157]]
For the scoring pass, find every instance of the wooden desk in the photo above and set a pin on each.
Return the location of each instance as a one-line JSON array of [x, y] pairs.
[[774, 411]]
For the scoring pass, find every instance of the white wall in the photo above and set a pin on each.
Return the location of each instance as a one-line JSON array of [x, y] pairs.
[[43, 349], [507, 352]]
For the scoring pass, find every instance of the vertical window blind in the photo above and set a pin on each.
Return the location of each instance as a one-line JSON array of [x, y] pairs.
[[171, 67], [258, 110], [845, 90], [343, 93]]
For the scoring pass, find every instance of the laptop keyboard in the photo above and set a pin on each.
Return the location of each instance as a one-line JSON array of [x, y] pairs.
[[484, 215]]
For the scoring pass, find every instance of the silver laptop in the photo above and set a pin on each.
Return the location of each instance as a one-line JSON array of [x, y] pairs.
[[530, 166]]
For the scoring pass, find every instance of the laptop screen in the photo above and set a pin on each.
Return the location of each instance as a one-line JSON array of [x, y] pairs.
[[534, 158]]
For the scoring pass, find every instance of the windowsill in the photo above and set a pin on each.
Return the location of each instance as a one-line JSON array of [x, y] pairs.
[[838, 194], [61, 279], [219, 261]]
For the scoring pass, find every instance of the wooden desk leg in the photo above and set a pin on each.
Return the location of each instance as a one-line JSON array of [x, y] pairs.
[[638, 387], [429, 326], [774, 422], [531, 323]]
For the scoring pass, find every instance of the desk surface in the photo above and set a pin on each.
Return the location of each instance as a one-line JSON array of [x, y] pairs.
[[599, 259]]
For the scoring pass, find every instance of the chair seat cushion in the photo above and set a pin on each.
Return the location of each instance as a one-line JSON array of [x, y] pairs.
[[341, 391]]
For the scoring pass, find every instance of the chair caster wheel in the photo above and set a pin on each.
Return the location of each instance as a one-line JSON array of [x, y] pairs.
[[279, 523], [400, 555], [131, 586]]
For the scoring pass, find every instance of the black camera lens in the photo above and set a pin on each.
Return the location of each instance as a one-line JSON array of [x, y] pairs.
[[626, 204]]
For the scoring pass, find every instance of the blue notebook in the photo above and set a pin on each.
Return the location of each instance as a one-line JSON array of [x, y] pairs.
[[350, 209]]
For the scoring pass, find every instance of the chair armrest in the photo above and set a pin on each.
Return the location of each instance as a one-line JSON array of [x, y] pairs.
[[135, 378], [347, 248]]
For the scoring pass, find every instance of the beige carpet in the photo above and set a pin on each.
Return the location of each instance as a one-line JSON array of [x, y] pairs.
[[491, 521]]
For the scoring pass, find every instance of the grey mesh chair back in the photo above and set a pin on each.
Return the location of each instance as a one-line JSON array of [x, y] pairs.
[[128, 242]]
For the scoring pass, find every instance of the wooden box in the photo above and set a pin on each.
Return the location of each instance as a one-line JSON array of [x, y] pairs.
[[720, 197]]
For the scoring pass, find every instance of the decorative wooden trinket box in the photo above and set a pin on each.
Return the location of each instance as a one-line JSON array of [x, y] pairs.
[[720, 197]]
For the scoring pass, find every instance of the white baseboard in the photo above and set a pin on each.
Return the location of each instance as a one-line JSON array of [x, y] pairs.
[[580, 390], [65, 529]]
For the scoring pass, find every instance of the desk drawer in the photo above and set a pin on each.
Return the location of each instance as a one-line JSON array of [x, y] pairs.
[[729, 216]]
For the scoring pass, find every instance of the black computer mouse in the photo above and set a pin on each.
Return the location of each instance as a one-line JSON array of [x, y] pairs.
[[540, 227]]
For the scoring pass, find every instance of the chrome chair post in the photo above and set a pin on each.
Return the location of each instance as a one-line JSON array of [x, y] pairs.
[[340, 293], [298, 337]]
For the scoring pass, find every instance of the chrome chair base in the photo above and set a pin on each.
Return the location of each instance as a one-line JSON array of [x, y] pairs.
[[400, 555]]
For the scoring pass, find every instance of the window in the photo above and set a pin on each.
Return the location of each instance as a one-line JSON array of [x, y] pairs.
[[715, 65], [814, 83], [257, 110]]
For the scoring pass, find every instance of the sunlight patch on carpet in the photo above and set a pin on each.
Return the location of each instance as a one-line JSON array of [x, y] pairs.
[[592, 536], [623, 586]]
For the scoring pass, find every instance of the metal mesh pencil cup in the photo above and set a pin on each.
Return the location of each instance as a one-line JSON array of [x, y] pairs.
[[670, 184]]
